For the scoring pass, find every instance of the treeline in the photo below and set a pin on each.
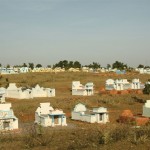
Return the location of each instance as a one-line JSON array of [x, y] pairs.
[[76, 64]]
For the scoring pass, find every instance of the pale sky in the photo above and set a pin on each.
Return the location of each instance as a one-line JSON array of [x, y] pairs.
[[47, 31]]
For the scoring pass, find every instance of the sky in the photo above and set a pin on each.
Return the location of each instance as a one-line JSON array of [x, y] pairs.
[[48, 31]]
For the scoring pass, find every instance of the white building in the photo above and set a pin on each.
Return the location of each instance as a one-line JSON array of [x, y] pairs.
[[85, 90], [14, 92], [146, 109], [7, 71], [46, 116], [42, 92], [136, 84], [23, 69], [97, 115], [123, 84], [7, 119], [22, 93]]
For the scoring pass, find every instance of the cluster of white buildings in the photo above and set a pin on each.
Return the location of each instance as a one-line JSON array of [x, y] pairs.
[[123, 84], [143, 70], [47, 116], [55, 70]]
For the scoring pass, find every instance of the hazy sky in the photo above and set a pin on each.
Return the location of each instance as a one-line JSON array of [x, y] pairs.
[[47, 31]]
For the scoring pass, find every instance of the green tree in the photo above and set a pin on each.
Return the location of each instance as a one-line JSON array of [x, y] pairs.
[[0, 65], [38, 65], [119, 65], [24, 65], [8, 66], [108, 66], [77, 64], [48, 66], [141, 66], [31, 65], [146, 90]]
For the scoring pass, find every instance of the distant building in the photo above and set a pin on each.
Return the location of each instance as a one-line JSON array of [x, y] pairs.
[[97, 115], [7, 71], [46, 116], [123, 84]]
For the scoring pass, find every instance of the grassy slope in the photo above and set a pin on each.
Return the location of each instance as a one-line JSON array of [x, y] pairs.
[[84, 135]]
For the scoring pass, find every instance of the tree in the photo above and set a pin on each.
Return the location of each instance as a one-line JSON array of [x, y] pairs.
[[94, 65], [31, 65], [77, 64], [48, 66], [141, 66], [108, 66], [24, 65], [119, 65], [146, 90], [8, 66], [38, 65]]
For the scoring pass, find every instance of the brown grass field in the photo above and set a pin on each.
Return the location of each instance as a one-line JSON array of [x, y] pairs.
[[77, 135]]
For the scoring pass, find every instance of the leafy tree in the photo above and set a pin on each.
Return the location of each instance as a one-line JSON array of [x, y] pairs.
[[77, 64], [108, 66], [147, 67], [141, 66], [0, 65], [48, 66], [8, 66], [31, 65], [71, 64], [38, 65], [146, 90], [119, 65], [94, 65], [24, 65], [67, 64]]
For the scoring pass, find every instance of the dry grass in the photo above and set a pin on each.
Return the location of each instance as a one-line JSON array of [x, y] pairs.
[[77, 135]]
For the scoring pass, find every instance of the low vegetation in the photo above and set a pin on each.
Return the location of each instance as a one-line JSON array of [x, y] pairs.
[[77, 135]]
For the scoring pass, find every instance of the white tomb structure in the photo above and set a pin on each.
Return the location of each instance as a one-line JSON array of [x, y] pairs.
[[2, 95], [46, 116], [146, 109], [13, 92], [123, 84], [21, 93], [42, 92], [97, 115], [7, 119], [136, 84], [79, 89]]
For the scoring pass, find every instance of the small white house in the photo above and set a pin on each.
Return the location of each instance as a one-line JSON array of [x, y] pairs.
[[46, 116], [97, 115], [79, 89], [7, 119], [146, 109]]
